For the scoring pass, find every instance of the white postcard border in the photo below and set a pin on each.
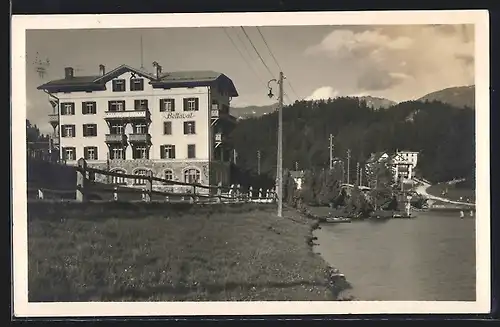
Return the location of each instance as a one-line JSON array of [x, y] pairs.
[[21, 23]]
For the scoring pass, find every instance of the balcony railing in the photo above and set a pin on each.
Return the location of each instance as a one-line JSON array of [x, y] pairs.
[[214, 112], [116, 138], [53, 118], [219, 137], [139, 138], [128, 114], [218, 113]]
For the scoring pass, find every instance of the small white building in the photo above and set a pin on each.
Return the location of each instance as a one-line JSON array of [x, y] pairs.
[[298, 177], [131, 121]]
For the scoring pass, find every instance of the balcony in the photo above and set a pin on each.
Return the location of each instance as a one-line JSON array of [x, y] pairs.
[[116, 138], [219, 137], [222, 114], [54, 119], [128, 114], [140, 138]]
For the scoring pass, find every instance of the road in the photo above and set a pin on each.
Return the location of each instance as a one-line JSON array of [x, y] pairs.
[[422, 190]]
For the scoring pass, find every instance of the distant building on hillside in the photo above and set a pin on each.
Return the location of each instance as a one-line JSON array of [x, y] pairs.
[[404, 164], [130, 121], [298, 177], [375, 159]]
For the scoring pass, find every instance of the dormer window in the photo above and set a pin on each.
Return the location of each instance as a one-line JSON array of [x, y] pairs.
[[136, 84], [118, 85]]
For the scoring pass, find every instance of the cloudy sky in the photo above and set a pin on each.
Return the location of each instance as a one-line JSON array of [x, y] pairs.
[[396, 62]]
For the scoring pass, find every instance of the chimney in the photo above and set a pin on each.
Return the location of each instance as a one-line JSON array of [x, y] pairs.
[[68, 72], [158, 69], [102, 70]]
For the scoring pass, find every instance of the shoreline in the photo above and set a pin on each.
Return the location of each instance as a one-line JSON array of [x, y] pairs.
[[174, 252], [340, 285]]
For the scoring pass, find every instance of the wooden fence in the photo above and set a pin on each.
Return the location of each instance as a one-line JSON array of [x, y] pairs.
[[87, 189]]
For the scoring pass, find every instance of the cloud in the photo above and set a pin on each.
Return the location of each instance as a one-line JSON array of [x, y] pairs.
[[401, 59], [324, 92]]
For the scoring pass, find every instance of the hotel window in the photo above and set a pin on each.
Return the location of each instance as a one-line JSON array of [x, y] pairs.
[[192, 176], [189, 127], [167, 128], [90, 130], [67, 108], [167, 151], [136, 84], [118, 85], [90, 152], [140, 104], [117, 129], [119, 180], [69, 153], [117, 153], [140, 172], [140, 152], [191, 104], [141, 128], [68, 131], [167, 105], [191, 151], [89, 108], [116, 105], [169, 175]]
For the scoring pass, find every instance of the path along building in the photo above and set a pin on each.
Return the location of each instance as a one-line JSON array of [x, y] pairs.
[[128, 120]]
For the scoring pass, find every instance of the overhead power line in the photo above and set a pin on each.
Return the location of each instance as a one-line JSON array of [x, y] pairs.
[[257, 51], [243, 57], [276, 60]]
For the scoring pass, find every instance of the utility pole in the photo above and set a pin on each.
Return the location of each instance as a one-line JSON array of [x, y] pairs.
[[348, 164], [258, 162], [331, 151], [296, 166], [280, 142], [358, 180], [343, 171], [279, 157], [235, 155], [361, 175]]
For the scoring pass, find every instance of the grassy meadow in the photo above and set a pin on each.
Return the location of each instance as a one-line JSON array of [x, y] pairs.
[[171, 252]]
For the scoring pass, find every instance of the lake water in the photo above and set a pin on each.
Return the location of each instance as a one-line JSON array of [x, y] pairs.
[[429, 258]]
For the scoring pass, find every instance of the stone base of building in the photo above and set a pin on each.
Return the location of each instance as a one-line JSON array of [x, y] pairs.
[[210, 173]]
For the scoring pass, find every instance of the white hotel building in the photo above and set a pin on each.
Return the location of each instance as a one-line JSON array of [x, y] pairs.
[[404, 164], [131, 121]]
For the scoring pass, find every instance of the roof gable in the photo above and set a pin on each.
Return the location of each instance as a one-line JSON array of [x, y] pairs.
[[122, 70]]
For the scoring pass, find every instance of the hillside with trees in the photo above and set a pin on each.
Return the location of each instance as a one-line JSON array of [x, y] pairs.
[[444, 135], [460, 96]]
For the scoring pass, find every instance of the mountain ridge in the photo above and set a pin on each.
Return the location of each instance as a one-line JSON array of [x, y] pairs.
[[458, 96]]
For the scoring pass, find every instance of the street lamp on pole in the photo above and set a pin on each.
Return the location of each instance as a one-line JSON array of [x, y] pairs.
[[279, 166]]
